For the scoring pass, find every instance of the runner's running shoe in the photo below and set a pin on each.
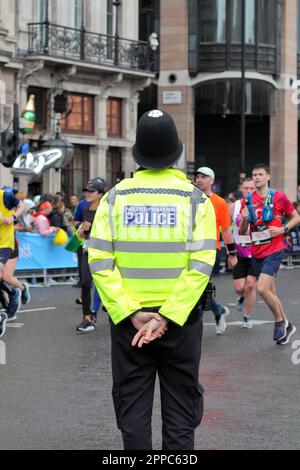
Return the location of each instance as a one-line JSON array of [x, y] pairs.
[[247, 323], [86, 326], [14, 303], [280, 330], [25, 296], [240, 304], [3, 320], [94, 317], [290, 331], [221, 322]]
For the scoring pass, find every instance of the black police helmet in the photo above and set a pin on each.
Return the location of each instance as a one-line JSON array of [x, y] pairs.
[[96, 184], [157, 145]]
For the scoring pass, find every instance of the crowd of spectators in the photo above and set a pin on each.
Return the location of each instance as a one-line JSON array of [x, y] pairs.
[[48, 213]]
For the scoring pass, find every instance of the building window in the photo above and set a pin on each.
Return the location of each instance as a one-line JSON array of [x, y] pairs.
[[110, 28], [236, 24], [148, 18], [266, 16], [78, 13], [41, 11], [114, 172], [109, 17], [212, 21], [114, 117], [76, 175], [214, 40], [220, 20], [80, 119], [40, 102]]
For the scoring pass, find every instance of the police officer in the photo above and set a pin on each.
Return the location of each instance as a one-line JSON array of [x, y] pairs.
[[152, 251]]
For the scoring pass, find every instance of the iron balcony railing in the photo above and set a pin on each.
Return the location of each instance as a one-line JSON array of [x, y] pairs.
[[78, 44]]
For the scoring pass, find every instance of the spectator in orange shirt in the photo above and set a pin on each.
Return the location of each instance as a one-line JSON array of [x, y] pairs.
[[204, 179]]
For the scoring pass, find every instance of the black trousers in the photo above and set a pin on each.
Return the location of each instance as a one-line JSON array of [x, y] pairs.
[[79, 257], [86, 284], [175, 358]]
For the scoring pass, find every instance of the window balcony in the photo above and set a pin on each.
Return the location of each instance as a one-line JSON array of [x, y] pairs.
[[262, 58], [215, 36], [66, 43]]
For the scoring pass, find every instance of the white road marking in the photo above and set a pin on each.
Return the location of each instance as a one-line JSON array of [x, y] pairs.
[[20, 325], [239, 323], [14, 325], [37, 309]]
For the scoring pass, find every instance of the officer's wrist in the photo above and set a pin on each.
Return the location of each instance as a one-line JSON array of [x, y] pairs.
[[134, 313]]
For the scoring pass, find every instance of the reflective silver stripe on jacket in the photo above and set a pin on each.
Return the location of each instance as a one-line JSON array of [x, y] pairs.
[[172, 192], [150, 273], [111, 199], [102, 265], [201, 245], [102, 245], [202, 268], [152, 247]]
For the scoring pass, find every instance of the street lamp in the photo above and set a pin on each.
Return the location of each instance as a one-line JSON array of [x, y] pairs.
[[117, 3], [64, 145]]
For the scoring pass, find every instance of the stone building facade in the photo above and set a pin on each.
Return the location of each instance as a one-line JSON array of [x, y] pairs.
[[90, 50], [199, 83]]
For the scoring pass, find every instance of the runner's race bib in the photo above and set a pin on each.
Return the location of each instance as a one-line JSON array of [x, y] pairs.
[[261, 238], [244, 240]]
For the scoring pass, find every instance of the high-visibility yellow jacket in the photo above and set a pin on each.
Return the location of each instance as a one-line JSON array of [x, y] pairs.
[[7, 232], [153, 244]]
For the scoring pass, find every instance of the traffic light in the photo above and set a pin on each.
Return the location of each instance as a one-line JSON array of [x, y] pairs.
[[8, 149], [61, 103]]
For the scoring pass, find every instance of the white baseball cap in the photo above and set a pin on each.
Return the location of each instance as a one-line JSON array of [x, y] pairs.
[[207, 172]]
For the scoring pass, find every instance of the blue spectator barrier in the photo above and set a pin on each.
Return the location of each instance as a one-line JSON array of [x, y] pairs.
[[40, 253]]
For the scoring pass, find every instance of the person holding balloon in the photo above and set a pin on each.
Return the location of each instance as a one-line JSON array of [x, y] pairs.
[[41, 220]]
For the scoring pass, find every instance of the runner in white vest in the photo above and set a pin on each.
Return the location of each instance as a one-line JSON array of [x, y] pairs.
[[243, 275]]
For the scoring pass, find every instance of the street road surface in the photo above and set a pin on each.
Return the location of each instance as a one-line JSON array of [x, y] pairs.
[[55, 388]]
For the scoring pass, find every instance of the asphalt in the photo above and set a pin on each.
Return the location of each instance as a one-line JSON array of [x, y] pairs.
[[55, 388]]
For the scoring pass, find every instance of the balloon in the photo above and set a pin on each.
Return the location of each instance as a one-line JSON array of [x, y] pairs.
[[60, 238], [25, 148]]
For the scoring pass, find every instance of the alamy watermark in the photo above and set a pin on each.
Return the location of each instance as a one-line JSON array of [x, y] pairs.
[[296, 355], [2, 353], [296, 94]]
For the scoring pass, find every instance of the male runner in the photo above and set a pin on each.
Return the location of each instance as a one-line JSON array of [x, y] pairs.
[[265, 212]]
